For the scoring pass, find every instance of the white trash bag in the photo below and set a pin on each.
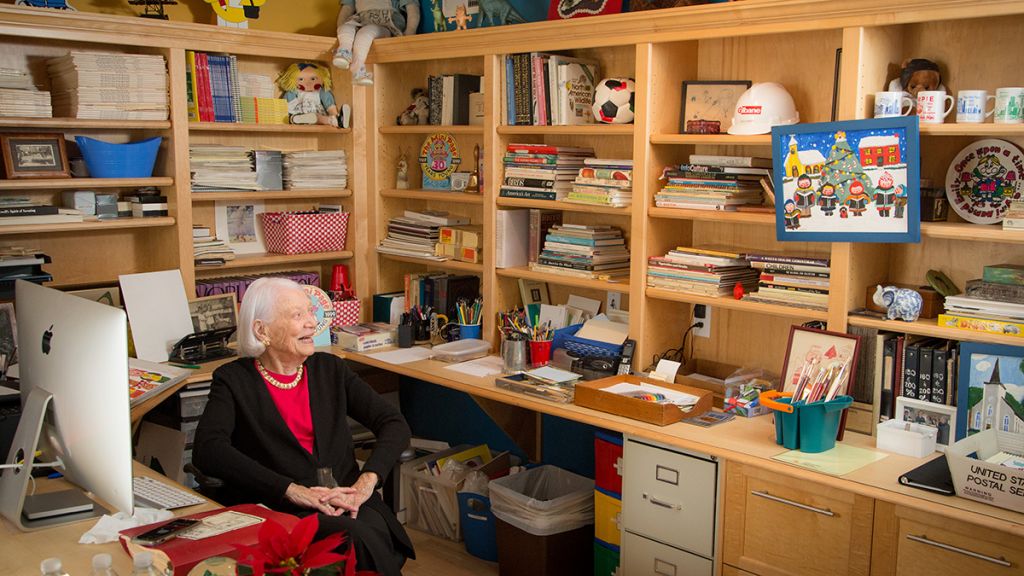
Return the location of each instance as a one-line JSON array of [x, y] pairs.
[[543, 501]]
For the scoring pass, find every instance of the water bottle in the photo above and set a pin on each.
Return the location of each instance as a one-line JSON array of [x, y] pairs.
[[143, 565], [102, 565], [52, 567]]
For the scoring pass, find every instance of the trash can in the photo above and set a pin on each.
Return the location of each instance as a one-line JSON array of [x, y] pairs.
[[545, 522]]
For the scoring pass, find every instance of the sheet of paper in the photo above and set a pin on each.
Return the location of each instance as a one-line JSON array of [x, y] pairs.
[[157, 311], [556, 315], [667, 369], [653, 393], [589, 306], [553, 374], [219, 524], [481, 367], [838, 461], [403, 355], [604, 331]]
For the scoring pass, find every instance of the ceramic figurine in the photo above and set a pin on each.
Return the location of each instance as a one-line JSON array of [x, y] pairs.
[[418, 113], [360, 22], [917, 74], [402, 177], [899, 303], [307, 88]]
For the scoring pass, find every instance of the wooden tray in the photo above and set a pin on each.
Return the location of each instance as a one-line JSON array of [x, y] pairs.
[[591, 395]]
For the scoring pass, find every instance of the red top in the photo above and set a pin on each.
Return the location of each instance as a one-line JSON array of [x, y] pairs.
[[293, 404]]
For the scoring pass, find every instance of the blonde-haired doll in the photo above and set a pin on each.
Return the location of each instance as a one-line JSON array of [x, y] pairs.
[[360, 22], [307, 88]]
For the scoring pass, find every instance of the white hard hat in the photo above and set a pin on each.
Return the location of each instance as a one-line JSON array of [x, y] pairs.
[[762, 106]]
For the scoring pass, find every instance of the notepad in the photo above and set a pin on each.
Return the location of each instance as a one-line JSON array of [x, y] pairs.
[[402, 355]]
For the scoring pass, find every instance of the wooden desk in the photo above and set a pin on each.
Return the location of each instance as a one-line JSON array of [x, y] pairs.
[[21, 552]]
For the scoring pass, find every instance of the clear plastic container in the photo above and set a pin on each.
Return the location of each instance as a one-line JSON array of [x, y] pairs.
[[461, 350]]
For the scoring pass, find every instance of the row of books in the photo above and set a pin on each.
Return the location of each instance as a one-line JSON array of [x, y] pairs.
[[19, 97], [993, 303], [603, 182], [216, 168], [584, 251], [717, 183], [540, 171], [416, 233], [440, 291], [217, 92], [548, 89], [798, 281], [449, 98], [207, 250], [701, 271], [109, 86], [315, 170]]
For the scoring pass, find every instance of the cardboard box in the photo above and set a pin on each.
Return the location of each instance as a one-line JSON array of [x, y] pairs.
[[591, 395], [986, 482]]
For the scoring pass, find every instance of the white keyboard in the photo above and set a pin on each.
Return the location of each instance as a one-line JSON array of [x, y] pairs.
[[155, 494]]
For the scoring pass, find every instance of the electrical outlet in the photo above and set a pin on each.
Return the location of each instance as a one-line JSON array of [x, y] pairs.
[[705, 330], [614, 300]]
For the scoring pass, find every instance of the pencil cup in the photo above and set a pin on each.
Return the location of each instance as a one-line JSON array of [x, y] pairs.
[[467, 331], [513, 354], [540, 353], [405, 336]]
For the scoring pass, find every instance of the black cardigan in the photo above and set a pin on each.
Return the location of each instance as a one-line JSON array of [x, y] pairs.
[[243, 440]]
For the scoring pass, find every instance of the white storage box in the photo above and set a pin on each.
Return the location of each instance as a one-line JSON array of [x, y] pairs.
[[461, 350], [986, 482], [906, 438]]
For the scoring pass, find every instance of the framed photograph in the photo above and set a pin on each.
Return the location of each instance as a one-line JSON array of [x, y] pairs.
[[938, 416], [990, 389], [708, 106], [8, 337], [238, 225], [818, 348], [34, 156], [853, 181], [213, 312]]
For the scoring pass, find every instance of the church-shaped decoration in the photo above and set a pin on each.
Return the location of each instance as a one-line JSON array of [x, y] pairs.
[[799, 162]]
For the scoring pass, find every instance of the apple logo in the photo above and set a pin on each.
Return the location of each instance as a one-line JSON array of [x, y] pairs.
[[47, 335]]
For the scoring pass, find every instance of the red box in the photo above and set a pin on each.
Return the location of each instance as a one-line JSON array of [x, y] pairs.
[[304, 232], [607, 462], [346, 312]]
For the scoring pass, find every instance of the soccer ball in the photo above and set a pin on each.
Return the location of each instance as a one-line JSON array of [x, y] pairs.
[[613, 101]]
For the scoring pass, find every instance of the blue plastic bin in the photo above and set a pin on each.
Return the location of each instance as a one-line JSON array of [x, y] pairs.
[[108, 160], [478, 526], [566, 338], [819, 423]]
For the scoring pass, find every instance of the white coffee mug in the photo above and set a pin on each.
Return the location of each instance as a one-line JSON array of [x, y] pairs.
[[1009, 106], [890, 104], [971, 104], [933, 106]]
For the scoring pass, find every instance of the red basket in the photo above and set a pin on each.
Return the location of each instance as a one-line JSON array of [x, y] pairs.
[[304, 232]]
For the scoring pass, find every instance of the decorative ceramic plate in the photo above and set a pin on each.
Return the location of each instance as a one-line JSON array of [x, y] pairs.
[[983, 179]]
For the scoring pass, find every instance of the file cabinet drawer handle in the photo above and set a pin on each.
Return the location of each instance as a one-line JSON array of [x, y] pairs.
[[822, 511], [925, 540], [662, 503], [662, 568]]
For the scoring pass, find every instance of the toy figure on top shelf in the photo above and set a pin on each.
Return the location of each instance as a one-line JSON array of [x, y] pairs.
[[153, 8], [307, 88], [55, 4], [461, 18], [360, 22], [917, 74], [235, 13]]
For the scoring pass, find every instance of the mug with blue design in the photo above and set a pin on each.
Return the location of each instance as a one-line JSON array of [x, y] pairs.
[[971, 105], [892, 104]]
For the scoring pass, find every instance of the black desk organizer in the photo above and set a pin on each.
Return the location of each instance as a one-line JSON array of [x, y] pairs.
[[203, 346]]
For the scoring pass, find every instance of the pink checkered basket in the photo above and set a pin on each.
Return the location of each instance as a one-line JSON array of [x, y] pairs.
[[304, 232]]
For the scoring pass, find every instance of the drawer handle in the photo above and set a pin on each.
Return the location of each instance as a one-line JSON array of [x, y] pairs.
[[661, 568], [925, 540], [822, 511], [662, 503]]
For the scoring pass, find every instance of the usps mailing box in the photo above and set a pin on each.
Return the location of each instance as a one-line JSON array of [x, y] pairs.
[[984, 481]]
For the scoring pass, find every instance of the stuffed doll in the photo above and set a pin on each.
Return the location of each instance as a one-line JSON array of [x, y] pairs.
[[360, 22], [917, 74], [418, 112], [307, 88]]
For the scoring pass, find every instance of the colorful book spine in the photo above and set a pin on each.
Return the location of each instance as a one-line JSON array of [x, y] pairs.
[[528, 194], [510, 92], [1011, 274], [193, 93], [982, 325], [234, 88]]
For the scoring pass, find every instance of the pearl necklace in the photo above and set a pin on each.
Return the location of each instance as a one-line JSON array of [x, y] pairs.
[[277, 383]]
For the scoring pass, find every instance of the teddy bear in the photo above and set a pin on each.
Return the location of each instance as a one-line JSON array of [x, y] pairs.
[[917, 74], [418, 112]]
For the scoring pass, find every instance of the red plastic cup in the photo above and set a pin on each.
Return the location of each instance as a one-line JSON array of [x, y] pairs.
[[540, 353]]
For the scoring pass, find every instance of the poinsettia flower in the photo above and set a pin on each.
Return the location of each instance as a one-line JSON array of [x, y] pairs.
[[281, 552]]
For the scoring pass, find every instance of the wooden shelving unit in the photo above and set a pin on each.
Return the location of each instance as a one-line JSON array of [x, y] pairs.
[[971, 232], [453, 265], [258, 260], [578, 130], [565, 206], [730, 303], [82, 124], [434, 195], [83, 183], [88, 226], [266, 128], [759, 218], [431, 128], [986, 129], [200, 197], [565, 280], [712, 139], [926, 327]]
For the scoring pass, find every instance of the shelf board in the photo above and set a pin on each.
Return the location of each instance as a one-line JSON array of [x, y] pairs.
[[439, 264], [968, 231], [733, 304], [200, 197], [988, 130], [566, 206], [930, 327], [578, 130], [83, 183], [712, 139], [762, 218], [439, 195], [88, 226], [564, 280], [83, 124], [431, 128], [276, 128], [267, 259]]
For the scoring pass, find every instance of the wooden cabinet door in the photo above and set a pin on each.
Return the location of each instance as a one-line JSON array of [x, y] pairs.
[[909, 542], [777, 525], [733, 571]]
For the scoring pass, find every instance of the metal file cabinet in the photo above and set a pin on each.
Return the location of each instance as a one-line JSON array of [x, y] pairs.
[[669, 510]]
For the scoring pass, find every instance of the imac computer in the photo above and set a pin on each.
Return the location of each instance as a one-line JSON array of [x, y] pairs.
[[73, 365]]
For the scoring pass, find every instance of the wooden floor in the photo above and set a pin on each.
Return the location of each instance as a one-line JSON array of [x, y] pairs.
[[439, 557]]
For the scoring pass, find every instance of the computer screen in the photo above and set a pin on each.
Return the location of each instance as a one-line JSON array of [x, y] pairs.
[[77, 350]]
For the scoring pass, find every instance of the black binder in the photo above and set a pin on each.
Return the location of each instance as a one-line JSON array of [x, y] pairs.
[[933, 476]]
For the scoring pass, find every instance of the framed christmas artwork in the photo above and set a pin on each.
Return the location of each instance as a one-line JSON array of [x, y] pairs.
[[852, 181]]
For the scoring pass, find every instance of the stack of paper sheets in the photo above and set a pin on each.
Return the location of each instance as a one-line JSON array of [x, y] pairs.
[[221, 168], [315, 170], [109, 86]]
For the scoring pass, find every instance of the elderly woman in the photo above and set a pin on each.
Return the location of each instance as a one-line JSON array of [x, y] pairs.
[[275, 429]]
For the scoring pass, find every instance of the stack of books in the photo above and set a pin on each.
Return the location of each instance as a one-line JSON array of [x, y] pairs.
[[208, 250], [604, 183], [797, 281], [109, 86], [597, 252], [214, 89], [315, 170], [716, 183], [541, 172], [993, 303], [1013, 219], [449, 98], [264, 110], [701, 271], [19, 97], [548, 89], [415, 234], [217, 168], [21, 210]]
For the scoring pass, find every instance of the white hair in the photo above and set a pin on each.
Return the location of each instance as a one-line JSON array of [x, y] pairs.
[[259, 303]]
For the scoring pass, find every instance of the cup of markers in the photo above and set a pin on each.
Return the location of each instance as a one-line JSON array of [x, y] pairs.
[[468, 319], [540, 345]]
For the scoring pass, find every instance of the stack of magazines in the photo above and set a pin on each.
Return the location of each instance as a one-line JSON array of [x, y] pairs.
[[791, 280], [315, 170], [701, 271], [595, 252], [109, 86], [603, 182], [19, 97], [415, 233], [218, 168]]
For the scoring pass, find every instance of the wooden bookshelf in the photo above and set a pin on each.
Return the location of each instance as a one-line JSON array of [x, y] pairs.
[[266, 128], [578, 130], [712, 139], [200, 197], [621, 285], [971, 232], [268, 259], [730, 303], [72, 124], [431, 128], [434, 195], [930, 327], [559, 205], [453, 265], [83, 183], [989, 130], [88, 226]]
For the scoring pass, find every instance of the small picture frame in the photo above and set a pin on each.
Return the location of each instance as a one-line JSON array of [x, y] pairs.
[[990, 389], [708, 106], [813, 345], [34, 156], [938, 416], [239, 226], [213, 312]]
